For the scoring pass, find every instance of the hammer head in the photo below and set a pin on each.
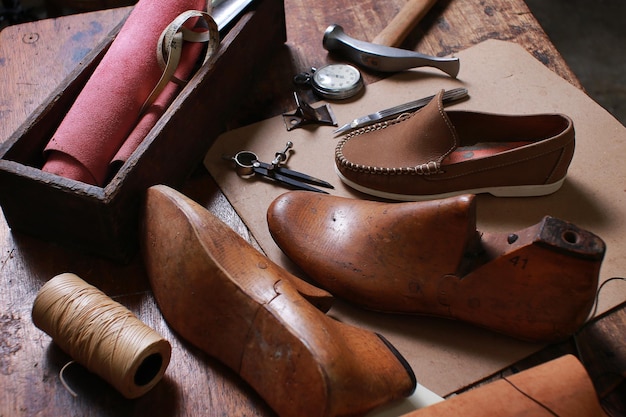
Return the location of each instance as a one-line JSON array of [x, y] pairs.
[[383, 58]]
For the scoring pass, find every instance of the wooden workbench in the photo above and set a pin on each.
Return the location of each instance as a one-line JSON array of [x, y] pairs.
[[35, 57]]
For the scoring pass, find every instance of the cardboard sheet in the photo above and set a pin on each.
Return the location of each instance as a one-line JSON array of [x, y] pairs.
[[501, 78]]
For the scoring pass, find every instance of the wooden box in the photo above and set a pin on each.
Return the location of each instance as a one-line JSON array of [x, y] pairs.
[[105, 220]]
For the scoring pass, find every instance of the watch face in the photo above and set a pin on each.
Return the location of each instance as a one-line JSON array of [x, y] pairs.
[[337, 81]]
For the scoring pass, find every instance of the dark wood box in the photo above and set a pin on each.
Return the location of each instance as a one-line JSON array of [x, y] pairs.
[[104, 221]]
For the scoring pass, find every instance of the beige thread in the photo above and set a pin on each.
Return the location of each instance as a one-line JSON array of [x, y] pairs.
[[101, 334], [64, 382], [451, 128]]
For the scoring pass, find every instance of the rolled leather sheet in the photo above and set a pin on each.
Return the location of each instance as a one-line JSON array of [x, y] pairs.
[[154, 112], [108, 108], [560, 387]]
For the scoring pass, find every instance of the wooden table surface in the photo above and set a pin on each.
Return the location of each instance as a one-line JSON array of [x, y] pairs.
[[35, 57]]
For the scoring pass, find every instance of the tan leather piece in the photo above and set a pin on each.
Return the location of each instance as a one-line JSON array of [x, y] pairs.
[[537, 284], [560, 387], [226, 298], [414, 141], [410, 158]]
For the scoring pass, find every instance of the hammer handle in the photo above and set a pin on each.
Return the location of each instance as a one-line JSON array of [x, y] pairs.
[[406, 19]]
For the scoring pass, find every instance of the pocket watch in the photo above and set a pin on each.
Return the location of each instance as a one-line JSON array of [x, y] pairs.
[[334, 81]]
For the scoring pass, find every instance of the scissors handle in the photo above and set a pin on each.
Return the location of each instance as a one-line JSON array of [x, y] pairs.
[[247, 164]]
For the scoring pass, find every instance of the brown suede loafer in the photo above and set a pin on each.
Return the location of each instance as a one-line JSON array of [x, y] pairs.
[[434, 153]]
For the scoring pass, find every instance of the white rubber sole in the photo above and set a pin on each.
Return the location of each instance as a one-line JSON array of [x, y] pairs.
[[512, 191]]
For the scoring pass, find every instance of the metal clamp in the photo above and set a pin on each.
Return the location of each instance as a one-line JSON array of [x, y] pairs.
[[305, 115]]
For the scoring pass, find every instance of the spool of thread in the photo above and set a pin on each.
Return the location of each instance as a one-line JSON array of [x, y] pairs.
[[101, 334]]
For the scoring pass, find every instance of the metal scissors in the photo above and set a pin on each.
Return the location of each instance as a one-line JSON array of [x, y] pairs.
[[247, 164]]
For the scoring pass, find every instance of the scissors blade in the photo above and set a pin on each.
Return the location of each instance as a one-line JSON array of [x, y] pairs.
[[296, 174], [277, 176]]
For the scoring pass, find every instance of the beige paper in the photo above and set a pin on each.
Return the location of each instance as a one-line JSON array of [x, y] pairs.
[[501, 78]]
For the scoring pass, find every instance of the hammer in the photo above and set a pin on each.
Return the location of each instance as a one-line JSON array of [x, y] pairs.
[[383, 54]]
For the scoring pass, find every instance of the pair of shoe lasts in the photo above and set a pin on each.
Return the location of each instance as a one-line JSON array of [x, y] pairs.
[[537, 284], [223, 296], [434, 153]]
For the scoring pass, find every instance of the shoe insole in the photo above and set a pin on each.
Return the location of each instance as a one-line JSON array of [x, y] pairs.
[[480, 150]]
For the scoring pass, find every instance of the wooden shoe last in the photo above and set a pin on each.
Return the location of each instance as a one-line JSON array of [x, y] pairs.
[[223, 296], [560, 387], [537, 284]]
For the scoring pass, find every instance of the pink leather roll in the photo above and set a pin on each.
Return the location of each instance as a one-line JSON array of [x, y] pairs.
[[153, 113], [108, 108]]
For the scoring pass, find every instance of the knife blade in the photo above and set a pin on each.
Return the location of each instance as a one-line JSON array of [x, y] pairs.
[[224, 12], [449, 96]]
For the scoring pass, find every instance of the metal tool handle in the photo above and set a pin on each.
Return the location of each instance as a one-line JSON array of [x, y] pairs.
[[407, 18], [383, 58]]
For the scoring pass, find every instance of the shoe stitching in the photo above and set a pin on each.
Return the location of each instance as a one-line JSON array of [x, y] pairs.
[[451, 128], [435, 167], [429, 168], [378, 126]]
